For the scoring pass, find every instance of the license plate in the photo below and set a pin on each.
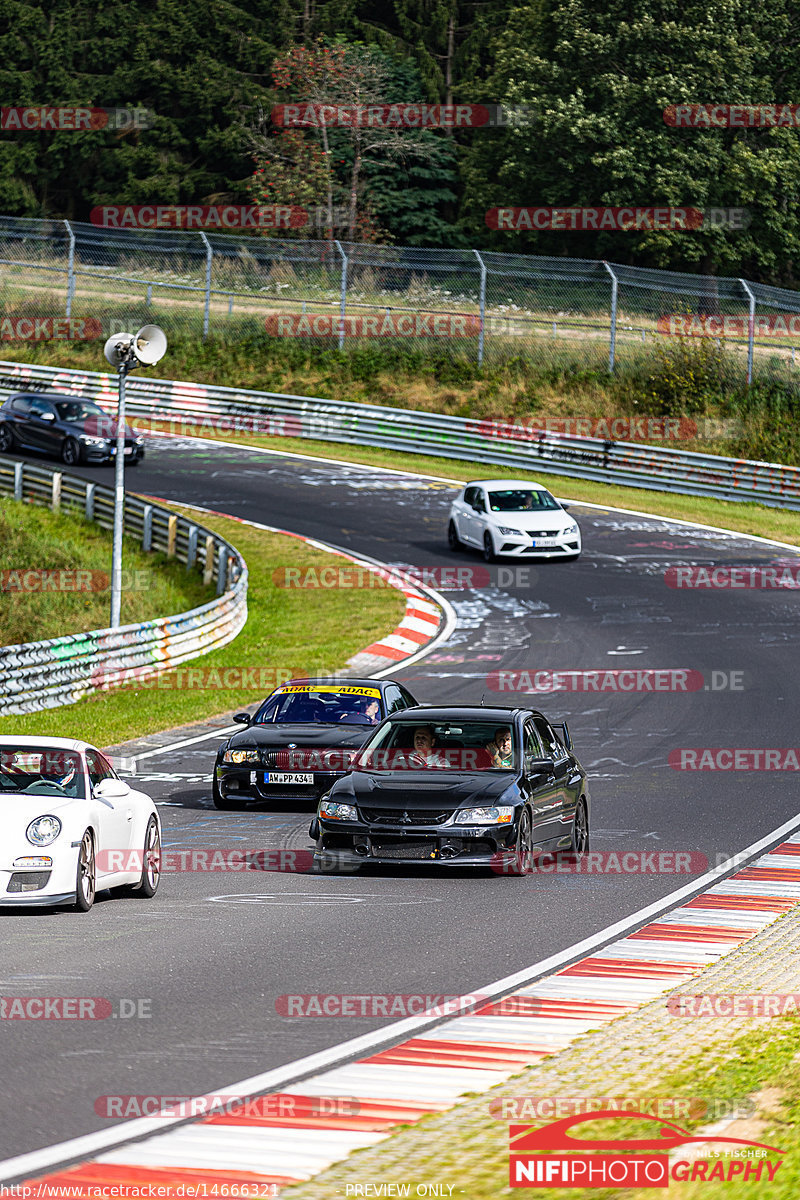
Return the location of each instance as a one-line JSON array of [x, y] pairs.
[[545, 542], [287, 777]]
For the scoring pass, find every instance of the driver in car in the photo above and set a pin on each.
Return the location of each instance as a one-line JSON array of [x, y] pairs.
[[500, 749], [425, 754]]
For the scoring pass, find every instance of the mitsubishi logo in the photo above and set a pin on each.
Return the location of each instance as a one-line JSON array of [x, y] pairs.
[[405, 819]]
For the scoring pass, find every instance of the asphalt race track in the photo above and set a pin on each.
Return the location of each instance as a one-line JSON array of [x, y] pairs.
[[213, 952]]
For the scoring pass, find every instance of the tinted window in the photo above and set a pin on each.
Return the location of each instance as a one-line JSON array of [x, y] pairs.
[[469, 495], [98, 767], [533, 745], [410, 702], [21, 405], [552, 746], [39, 407], [78, 410], [393, 699]]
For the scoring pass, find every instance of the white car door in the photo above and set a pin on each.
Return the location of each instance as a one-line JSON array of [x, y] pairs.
[[115, 813], [467, 518]]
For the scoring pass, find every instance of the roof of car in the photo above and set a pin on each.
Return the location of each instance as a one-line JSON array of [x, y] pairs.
[[460, 712], [507, 484], [45, 743]]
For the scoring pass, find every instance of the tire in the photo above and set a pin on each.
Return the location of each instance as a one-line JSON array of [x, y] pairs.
[[220, 801], [453, 539], [489, 555], [71, 453], [7, 440], [147, 886], [86, 877], [520, 864], [579, 845]]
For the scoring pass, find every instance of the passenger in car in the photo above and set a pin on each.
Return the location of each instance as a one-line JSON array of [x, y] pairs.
[[500, 749]]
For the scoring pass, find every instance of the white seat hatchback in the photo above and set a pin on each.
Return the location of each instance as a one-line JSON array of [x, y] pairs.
[[517, 518]]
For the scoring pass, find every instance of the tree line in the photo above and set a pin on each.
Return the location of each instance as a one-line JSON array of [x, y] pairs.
[[598, 84]]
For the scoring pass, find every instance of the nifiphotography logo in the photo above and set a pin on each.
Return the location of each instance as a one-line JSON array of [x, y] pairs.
[[537, 1158]]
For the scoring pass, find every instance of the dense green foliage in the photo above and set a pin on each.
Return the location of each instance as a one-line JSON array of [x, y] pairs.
[[598, 75]]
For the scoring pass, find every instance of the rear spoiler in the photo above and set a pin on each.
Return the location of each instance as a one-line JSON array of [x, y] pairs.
[[562, 729]]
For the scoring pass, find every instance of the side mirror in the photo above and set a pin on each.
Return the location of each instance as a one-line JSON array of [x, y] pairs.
[[110, 789], [47, 416], [565, 507], [539, 766], [241, 718]]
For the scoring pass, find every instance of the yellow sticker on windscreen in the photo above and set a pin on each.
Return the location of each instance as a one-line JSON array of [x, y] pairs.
[[290, 688]]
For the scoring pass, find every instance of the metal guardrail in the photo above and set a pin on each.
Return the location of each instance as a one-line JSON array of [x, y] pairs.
[[47, 674], [193, 408]]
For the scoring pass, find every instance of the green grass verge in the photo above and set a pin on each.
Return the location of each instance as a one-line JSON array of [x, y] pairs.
[[79, 553], [468, 1148], [299, 631], [758, 519]]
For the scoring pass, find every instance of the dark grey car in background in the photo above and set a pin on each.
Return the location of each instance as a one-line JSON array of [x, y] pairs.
[[65, 427]]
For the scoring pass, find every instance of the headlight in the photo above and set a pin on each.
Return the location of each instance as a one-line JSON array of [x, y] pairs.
[[240, 756], [139, 439], [509, 532], [33, 860], [93, 441], [338, 812], [43, 830], [570, 529], [485, 816]]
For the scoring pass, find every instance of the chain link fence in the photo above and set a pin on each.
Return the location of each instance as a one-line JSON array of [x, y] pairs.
[[81, 280]]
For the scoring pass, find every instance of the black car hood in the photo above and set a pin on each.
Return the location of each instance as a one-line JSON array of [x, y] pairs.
[[424, 789], [317, 735]]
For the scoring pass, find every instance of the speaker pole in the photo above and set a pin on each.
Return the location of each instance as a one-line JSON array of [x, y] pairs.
[[119, 501]]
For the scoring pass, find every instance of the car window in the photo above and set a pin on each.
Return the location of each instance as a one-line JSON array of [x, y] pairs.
[[408, 699], [79, 410], [32, 771], [552, 746], [480, 503], [98, 767], [469, 495], [522, 500], [21, 405], [393, 699], [533, 744], [39, 407]]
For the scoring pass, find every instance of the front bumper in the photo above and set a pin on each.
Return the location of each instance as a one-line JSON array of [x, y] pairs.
[[247, 782], [39, 885], [451, 845], [512, 548]]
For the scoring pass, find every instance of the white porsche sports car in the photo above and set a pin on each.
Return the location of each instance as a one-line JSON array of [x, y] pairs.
[[70, 827]]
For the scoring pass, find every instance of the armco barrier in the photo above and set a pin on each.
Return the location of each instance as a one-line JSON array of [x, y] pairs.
[[61, 670], [658, 468]]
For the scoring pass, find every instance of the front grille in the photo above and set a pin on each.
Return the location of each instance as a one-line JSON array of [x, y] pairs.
[[29, 881], [321, 760], [415, 850], [396, 816], [542, 533]]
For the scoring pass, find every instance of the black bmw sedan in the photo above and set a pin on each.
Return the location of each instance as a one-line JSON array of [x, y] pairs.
[[461, 786], [302, 739], [65, 427]]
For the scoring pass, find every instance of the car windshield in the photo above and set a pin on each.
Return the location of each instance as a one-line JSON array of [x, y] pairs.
[[29, 771], [78, 410], [324, 705], [522, 500], [439, 746]]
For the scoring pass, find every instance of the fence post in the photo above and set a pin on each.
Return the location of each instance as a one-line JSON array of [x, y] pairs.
[[612, 345], [751, 331], [223, 565], [18, 468], [147, 527], [342, 293], [209, 257], [88, 508], [483, 306], [70, 269]]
